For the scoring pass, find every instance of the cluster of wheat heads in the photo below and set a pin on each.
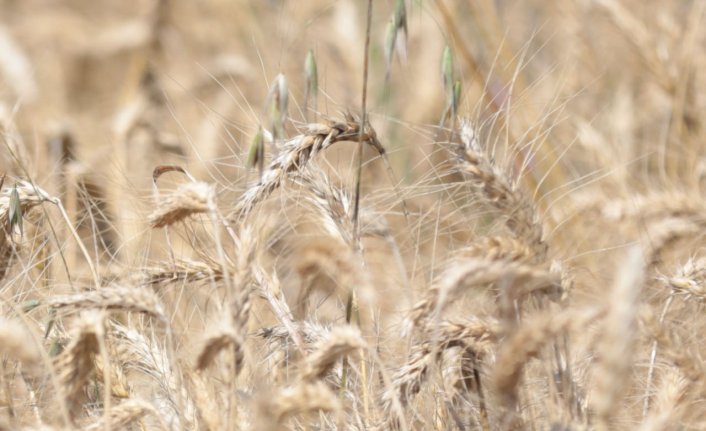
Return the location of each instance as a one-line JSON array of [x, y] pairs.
[[504, 269]]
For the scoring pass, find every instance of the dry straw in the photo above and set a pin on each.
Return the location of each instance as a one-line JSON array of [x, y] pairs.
[[15, 203]]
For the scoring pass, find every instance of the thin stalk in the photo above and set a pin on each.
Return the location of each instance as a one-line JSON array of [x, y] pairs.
[[103, 348], [356, 205], [484, 422], [653, 359], [363, 121]]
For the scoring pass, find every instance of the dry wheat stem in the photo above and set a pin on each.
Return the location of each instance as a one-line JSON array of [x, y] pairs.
[[653, 359], [669, 402], [684, 359], [617, 345]]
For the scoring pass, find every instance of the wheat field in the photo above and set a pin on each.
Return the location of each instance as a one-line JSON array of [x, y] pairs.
[[352, 215]]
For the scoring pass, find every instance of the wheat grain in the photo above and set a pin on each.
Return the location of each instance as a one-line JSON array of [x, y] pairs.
[[188, 199], [518, 279], [216, 342], [126, 413], [339, 343], [689, 281], [297, 152], [478, 336], [112, 298], [75, 365], [494, 185], [287, 402]]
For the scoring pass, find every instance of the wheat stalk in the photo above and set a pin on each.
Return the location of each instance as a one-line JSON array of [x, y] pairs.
[[617, 344]]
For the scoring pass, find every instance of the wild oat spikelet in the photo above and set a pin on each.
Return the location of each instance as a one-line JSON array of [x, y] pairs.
[[15, 202], [279, 338], [188, 199]]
